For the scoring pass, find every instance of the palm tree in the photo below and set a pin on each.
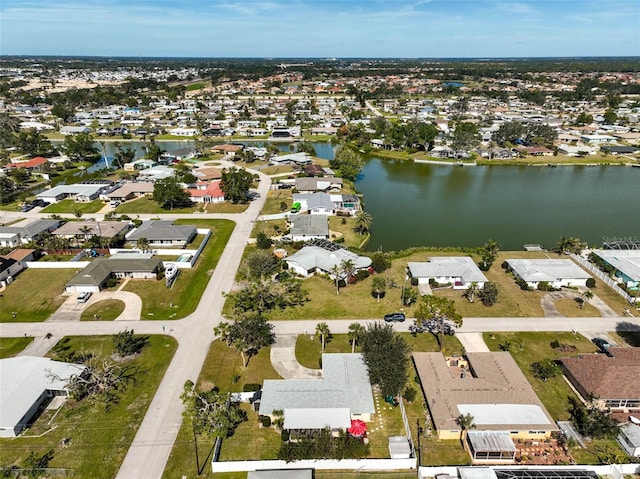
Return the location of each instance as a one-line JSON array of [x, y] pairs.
[[348, 267], [586, 296], [466, 422], [356, 330], [143, 244], [363, 222], [471, 291], [335, 272], [323, 330], [378, 287], [85, 230]]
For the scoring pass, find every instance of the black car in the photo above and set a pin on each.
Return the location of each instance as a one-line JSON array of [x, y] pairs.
[[27, 207], [399, 317], [603, 344]]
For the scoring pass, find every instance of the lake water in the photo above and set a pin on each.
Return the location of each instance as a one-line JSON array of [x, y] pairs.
[[415, 204]]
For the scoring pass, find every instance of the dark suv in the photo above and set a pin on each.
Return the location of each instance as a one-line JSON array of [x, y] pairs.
[[394, 317], [603, 345]]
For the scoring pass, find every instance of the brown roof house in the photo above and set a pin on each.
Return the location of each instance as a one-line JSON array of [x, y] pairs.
[[492, 389], [613, 379]]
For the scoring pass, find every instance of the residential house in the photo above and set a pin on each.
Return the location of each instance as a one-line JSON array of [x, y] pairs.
[[163, 233], [459, 271], [130, 190], [315, 203], [26, 233], [488, 386], [556, 272], [141, 164], [597, 139], [314, 184], [342, 393], [575, 150], [206, 192], [80, 192], [96, 274], [534, 151], [27, 383], [620, 150], [323, 257], [207, 173], [158, 172], [308, 227], [74, 130], [345, 204], [626, 264], [610, 379], [34, 164], [11, 264], [299, 159], [89, 229]]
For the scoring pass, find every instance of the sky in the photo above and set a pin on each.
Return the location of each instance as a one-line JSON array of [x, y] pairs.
[[321, 28]]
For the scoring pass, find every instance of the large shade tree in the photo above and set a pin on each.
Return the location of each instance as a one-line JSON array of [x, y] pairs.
[[235, 184], [386, 355], [439, 309]]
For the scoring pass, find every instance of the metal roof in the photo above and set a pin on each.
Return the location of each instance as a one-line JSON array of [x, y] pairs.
[[505, 414], [491, 441], [317, 418], [544, 474], [157, 230], [535, 270], [439, 266], [625, 261], [311, 257]]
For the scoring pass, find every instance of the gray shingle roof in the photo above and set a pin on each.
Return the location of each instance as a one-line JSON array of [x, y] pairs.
[[438, 266], [309, 225], [534, 270], [99, 270], [32, 229], [315, 200], [156, 230], [344, 385]]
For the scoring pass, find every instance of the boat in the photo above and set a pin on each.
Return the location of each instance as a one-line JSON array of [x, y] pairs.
[[170, 270], [634, 420]]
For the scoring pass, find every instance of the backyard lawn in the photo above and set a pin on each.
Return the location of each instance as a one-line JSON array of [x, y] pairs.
[[145, 205], [106, 310], [34, 295], [528, 348], [98, 440], [70, 206], [9, 347], [161, 303], [274, 198]]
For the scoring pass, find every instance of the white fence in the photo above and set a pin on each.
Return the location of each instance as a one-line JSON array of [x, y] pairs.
[[356, 465], [614, 470], [604, 277], [57, 264]]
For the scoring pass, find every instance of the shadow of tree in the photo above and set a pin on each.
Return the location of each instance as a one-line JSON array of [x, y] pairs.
[[629, 332]]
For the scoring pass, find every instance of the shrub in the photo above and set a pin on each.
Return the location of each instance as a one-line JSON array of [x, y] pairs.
[[379, 263], [250, 387], [544, 286], [126, 343], [284, 435], [339, 240], [504, 265], [265, 421], [362, 274], [414, 281], [591, 283], [283, 206], [409, 394], [263, 241]]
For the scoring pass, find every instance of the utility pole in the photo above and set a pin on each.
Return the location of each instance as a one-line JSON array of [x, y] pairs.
[[420, 430]]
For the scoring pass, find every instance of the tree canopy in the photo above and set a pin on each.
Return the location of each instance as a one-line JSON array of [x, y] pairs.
[[386, 355], [235, 184], [347, 162], [169, 193]]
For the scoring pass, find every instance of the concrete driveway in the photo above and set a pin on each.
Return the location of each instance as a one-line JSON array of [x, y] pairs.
[[71, 310], [283, 359]]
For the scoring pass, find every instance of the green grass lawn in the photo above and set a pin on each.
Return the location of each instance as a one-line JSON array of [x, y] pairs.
[[190, 284], [569, 307], [223, 369], [531, 347], [107, 310], [98, 439], [274, 198], [145, 205], [225, 207], [9, 347], [70, 206], [344, 227], [600, 451], [34, 295]]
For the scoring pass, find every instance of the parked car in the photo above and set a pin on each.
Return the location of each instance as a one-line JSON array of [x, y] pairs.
[[27, 207], [84, 297], [395, 317], [39, 202], [602, 344]]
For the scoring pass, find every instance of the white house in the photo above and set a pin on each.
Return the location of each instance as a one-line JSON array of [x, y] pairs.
[[460, 271], [81, 192], [26, 383], [311, 259], [626, 264], [342, 393], [315, 203], [309, 227], [556, 272]]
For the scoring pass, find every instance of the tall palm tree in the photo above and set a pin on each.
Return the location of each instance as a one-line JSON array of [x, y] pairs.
[[356, 330], [466, 422], [586, 296], [379, 286], [348, 268], [471, 291], [323, 330], [335, 272], [143, 244], [363, 221]]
